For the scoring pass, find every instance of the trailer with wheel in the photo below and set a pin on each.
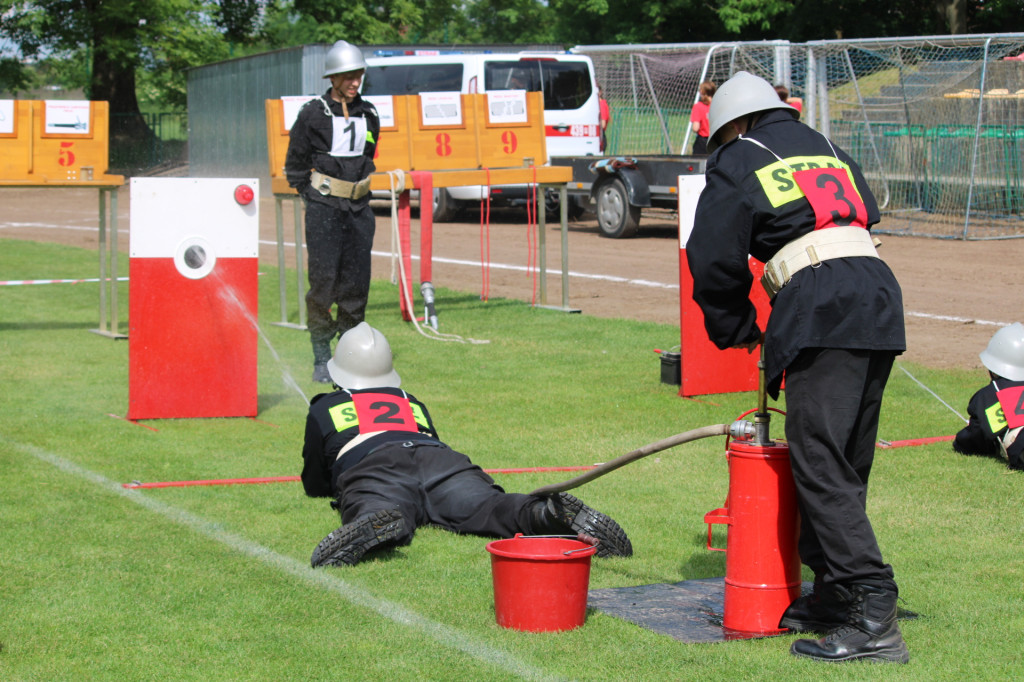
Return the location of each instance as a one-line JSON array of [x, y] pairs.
[[618, 188]]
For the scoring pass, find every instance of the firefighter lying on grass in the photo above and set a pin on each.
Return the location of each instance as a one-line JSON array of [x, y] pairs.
[[997, 410], [373, 448]]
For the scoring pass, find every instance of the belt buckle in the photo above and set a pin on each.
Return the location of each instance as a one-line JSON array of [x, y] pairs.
[[770, 280], [325, 186]]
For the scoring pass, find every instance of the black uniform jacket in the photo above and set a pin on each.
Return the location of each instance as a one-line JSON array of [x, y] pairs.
[[987, 425], [337, 418], [751, 205], [310, 143]]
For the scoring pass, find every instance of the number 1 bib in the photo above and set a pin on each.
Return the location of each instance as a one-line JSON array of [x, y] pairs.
[[349, 137]]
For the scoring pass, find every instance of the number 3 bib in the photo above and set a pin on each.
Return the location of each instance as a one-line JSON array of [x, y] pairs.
[[831, 193]]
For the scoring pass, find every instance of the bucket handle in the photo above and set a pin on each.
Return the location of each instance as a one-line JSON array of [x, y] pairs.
[[581, 549], [720, 515], [568, 537]]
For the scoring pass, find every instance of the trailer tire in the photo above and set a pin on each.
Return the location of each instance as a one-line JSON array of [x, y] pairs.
[[616, 217], [446, 209]]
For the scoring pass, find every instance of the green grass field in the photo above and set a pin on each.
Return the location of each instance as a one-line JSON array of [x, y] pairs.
[[100, 582]]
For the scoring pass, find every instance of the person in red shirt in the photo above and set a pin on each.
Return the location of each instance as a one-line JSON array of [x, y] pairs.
[[795, 102], [699, 117], [606, 117]]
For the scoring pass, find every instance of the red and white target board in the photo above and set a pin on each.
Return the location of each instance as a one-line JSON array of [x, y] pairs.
[[703, 367], [193, 338]]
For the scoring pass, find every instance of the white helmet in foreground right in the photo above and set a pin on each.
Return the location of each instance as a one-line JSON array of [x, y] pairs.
[[362, 359], [742, 94], [1005, 353]]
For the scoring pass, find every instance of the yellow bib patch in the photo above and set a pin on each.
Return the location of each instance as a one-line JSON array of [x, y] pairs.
[[777, 178], [995, 416]]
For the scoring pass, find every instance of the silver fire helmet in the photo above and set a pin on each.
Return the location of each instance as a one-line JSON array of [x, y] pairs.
[[1005, 353], [742, 94], [362, 359], [343, 56]]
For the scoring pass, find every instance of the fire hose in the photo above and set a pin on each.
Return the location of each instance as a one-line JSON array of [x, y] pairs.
[[739, 429]]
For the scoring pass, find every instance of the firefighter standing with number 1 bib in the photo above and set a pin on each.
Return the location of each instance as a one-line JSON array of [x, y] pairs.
[[329, 161], [785, 194]]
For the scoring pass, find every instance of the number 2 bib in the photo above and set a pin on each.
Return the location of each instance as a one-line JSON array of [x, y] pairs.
[[1011, 399]]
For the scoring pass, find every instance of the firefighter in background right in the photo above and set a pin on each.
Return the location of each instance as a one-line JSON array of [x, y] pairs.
[[785, 194], [996, 425]]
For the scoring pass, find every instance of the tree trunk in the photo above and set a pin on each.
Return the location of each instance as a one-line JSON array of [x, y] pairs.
[[953, 14], [131, 140]]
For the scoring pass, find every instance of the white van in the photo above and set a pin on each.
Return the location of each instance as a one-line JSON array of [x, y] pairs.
[[571, 102]]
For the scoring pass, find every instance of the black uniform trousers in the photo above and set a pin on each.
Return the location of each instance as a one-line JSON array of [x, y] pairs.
[[833, 400], [433, 484], [339, 240]]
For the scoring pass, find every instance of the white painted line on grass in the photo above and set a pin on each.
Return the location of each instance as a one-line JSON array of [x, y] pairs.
[[952, 318], [52, 226], [324, 579]]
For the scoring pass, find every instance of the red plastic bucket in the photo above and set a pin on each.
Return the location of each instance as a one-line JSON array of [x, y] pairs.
[[540, 583]]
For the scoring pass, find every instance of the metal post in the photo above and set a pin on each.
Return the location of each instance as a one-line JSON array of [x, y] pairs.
[[977, 135], [563, 202], [300, 277], [542, 261], [542, 251], [279, 222], [279, 217], [103, 265], [108, 266], [114, 271]]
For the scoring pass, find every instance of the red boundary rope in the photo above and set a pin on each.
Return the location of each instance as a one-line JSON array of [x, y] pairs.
[[882, 444], [289, 479]]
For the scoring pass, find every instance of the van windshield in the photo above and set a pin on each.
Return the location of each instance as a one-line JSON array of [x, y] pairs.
[[566, 85], [412, 79]]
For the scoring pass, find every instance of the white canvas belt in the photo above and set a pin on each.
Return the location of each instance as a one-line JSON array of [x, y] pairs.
[[333, 187], [812, 249]]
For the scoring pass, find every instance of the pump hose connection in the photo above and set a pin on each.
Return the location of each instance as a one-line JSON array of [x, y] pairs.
[[430, 312]]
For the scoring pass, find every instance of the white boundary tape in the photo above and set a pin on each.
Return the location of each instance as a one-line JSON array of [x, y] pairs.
[[25, 282], [521, 268], [323, 579]]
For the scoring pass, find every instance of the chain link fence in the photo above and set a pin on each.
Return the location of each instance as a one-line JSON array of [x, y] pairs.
[[936, 123], [149, 143]]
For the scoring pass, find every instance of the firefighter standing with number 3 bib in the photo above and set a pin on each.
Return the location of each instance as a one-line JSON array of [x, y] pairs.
[[785, 194], [329, 161]]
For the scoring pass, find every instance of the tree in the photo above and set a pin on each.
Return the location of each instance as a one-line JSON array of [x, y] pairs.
[[118, 39]]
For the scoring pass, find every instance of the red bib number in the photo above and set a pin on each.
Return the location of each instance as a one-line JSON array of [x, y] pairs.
[[833, 197], [383, 412], [1011, 399]]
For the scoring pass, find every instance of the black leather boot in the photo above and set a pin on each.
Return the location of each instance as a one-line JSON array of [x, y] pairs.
[[819, 611], [564, 513], [869, 633], [321, 354], [347, 545]]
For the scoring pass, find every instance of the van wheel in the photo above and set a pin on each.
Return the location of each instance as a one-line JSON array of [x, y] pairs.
[[445, 207], [615, 216]]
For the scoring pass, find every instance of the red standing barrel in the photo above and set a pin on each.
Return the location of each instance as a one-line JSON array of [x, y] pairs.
[[762, 567]]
